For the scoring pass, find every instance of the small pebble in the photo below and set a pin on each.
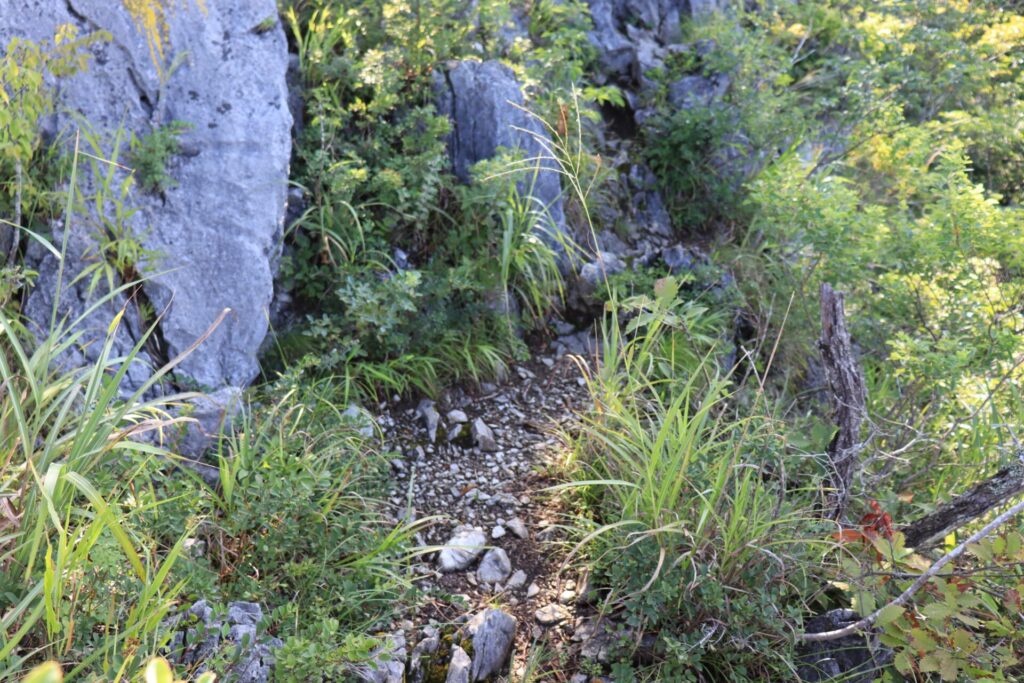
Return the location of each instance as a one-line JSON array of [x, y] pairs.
[[517, 527], [517, 580], [552, 614]]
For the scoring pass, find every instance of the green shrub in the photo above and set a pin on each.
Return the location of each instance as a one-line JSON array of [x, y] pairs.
[[373, 163], [680, 149], [151, 153]]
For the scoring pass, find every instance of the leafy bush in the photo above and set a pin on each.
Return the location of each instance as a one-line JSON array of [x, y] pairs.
[[373, 163], [680, 149]]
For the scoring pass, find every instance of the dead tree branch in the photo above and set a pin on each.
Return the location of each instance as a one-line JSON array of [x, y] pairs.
[[848, 396], [968, 506]]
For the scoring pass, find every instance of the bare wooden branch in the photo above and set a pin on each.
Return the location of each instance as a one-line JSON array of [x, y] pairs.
[[905, 596], [848, 396], [968, 506]]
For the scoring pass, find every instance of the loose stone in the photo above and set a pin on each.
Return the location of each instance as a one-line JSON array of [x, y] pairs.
[[517, 527], [465, 545], [495, 567], [518, 580], [552, 614], [493, 633], [460, 666], [483, 436]]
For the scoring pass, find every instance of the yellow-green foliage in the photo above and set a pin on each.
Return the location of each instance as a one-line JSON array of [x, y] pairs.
[[157, 671], [152, 18], [24, 95]]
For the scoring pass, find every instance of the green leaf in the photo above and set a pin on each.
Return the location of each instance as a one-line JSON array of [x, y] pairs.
[[949, 668], [964, 641], [890, 614], [903, 663], [929, 663], [923, 640], [937, 611], [159, 671]]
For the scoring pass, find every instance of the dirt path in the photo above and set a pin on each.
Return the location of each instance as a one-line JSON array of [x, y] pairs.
[[494, 482]]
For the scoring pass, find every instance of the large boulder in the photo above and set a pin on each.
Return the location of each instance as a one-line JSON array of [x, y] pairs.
[[218, 231], [484, 102]]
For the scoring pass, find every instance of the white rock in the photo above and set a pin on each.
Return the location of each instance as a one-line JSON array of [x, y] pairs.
[[532, 590], [483, 436], [430, 417], [497, 532], [493, 633], [517, 527], [457, 417], [459, 667], [495, 567], [465, 545]]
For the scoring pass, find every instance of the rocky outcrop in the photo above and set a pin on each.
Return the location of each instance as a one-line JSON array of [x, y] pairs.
[[634, 36], [631, 36], [217, 232], [484, 103], [199, 635]]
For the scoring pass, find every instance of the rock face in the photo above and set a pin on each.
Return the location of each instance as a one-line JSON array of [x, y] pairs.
[[218, 231], [198, 637], [483, 101], [634, 36]]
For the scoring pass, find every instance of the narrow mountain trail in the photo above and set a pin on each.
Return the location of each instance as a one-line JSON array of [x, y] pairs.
[[481, 462]]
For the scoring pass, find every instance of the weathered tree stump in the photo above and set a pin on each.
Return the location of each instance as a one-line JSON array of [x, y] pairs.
[[848, 397]]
